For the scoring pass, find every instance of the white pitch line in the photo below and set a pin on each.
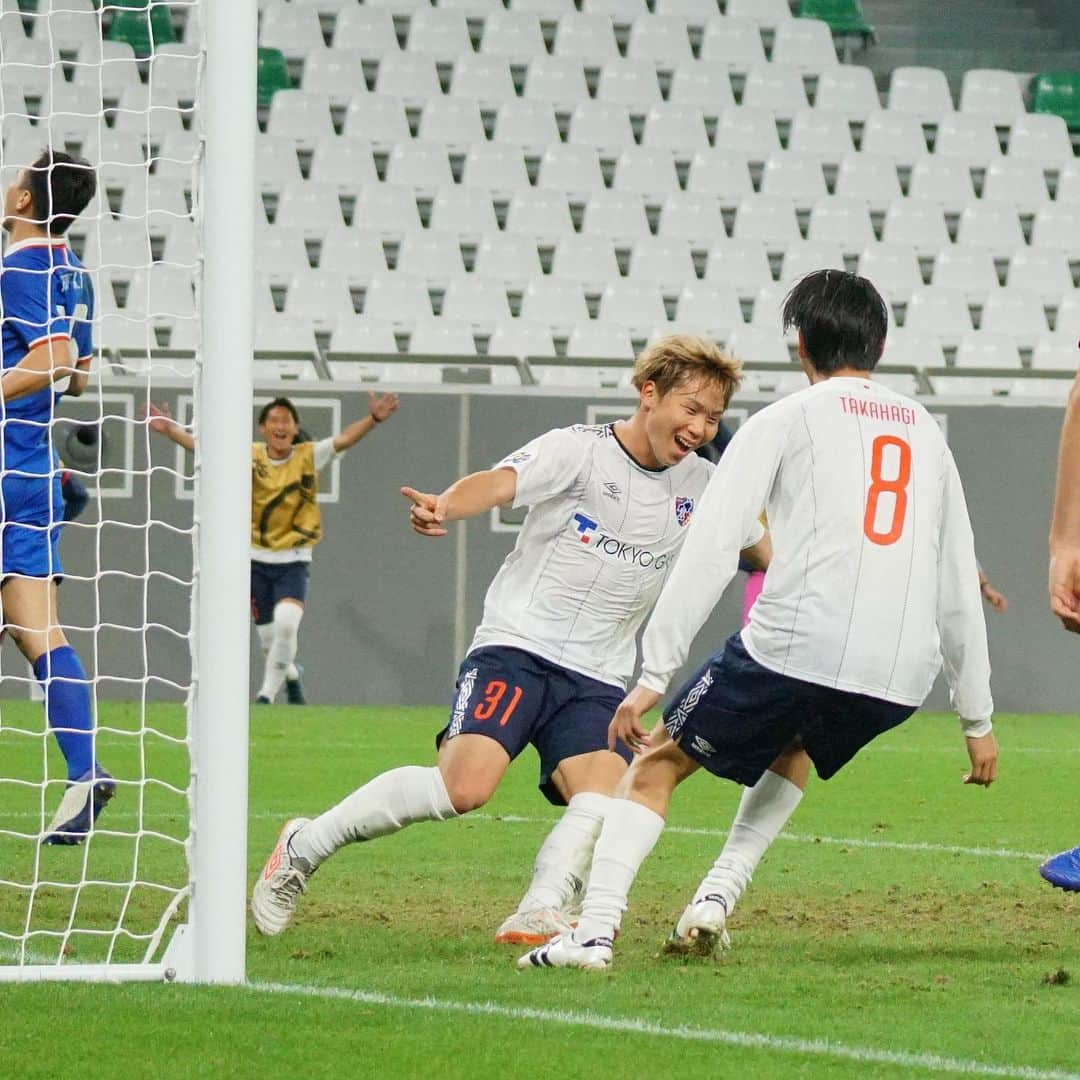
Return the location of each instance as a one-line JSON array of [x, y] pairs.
[[750, 1040]]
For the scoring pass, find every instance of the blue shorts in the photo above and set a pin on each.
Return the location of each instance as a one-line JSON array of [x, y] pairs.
[[31, 518], [733, 717], [271, 582], [517, 698]]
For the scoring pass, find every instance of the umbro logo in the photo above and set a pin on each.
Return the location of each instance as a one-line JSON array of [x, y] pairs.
[[612, 491], [702, 746]]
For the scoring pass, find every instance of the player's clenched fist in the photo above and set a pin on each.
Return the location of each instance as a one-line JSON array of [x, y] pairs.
[[427, 513], [983, 752], [627, 725]]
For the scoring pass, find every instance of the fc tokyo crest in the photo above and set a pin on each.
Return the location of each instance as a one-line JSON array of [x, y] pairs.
[[683, 509]]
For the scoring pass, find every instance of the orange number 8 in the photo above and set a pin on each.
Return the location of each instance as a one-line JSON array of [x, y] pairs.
[[897, 487]]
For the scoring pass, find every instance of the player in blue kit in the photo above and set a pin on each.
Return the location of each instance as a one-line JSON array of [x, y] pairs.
[[46, 308]]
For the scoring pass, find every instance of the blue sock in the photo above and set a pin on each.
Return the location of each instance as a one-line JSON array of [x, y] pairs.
[[67, 705]]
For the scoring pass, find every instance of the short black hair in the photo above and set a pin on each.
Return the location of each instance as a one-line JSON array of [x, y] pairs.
[[842, 318], [278, 403], [61, 187]]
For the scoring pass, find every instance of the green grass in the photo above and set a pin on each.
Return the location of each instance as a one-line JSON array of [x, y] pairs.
[[878, 947]]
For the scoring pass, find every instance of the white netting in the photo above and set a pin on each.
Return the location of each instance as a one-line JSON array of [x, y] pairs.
[[114, 83]]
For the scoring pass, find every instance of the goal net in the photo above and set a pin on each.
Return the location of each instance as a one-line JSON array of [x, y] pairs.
[[117, 83]]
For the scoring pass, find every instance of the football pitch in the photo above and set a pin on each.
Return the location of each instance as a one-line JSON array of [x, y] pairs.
[[899, 928]]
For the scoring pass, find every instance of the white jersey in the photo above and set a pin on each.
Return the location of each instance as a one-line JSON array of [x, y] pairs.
[[595, 549], [873, 575]]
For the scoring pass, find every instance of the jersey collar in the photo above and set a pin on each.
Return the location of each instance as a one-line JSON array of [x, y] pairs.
[[36, 241], [643, 468]]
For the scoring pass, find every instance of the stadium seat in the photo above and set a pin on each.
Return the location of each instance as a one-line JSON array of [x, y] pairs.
[[176, 156], [733, 44], [557, 80], [1041, 272], [661, 39], [971, 139], [806, 45], [646, 172], [378, 118], [588, 260], [400, 7], [363, 335], [848, 90], [921, 92], [521, 338], [637, 305], [1056, 390], [161, 293], [442, 337], [439, 33], [696, 13], [986, 349], [514, 35], [704, 306], [530, 125], [1019, 314], [969, 270], [768, 218], [311, 206], [774, 89], [893, 268], [573, 170], [837, 220], [292, 28], [894, 135], [826, 135], [741, 264], [622, 12], [599, 341], [870, 178], [320, 297], [477, 300], [1058, 93], [543, 215], [722, 173], [588, 38], [412, 77], [547, 10], [346, 163], [749, 132], [992, 93], [116, 72], [558, 304], [1068, 186], [486, 79], [1019, 183], [1040, 140], [337, 73], [71, 115], [769, 14], [280, 253], [841, 16], [1054, 352], [496, 167], [355, 255], [662, 261], [1057, 227], [453, 121], [71, 24], [389, 209], [420, 165], [795, 176], [943, 312], [432, 255], [465, 210], [117, 249], [400, 299], [603, 126], [473, 9], [632, 83], [147, 117], [704, 85], [992, 226], [366, 30], [806, 256], [507, 257], [904, 347], [272, 75], [757, 345], [944, 181], [677, 128], [300, 116], [694, 218], [617, 216], [972, 386], [1068, 316], [769, 304], [920, 224]]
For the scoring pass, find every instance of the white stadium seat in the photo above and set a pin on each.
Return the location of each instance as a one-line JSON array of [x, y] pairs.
[[710, 307], [496, 167], [893, 268], [662, 261], [841, 221], [439, 33], [1057, 226], [806, 256], [869, 178], [993, 226], [770, 219], [1056, 352], [756, 345], [661, 39], [599, 341], [637, 305], [920, 91], [378, 118], [794, 175], [908, 347], [412, 77], [632, 83], [432, 255], [825, 134], [1042, 140], [558, 304], [918, 223], [849, 90], [588, 260], [337, 73], [420, 165], [741, 264], [603, 126], [967, 270], [453, 121], [588, 38], [733, 43], [678, 128], [509, 258], [749, 132], [971, 139], [573, 170], [467, 211], [530, 125], [357, 255], [943, 312], [292, 28], [521, 337], [542, 214], [704, 84], [768, 14], [695, 218], [647, 172], [985, 349], [366, 29], [486, 79], [477, 300], [557, 80], [618, 216], [1019, 183], [895, 135], [364, 335], [992, 93], [806, 45], [515, 35], [774, 89], [319, 296], [1042, 272], [310, 206], [944, 181], [722, 173], [389, 209], [1019, 314], [346, 163], [442, 337]]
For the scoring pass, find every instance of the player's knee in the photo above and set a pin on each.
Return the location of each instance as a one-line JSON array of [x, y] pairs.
[[468, 792]]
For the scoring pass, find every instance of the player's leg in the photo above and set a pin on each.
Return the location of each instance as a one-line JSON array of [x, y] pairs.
[[285, 640], [1063, 870], [293, 586], [262, 613]]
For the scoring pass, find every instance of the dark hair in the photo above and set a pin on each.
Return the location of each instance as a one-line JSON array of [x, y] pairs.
[[61, 187], [278, 403], [842, 319]]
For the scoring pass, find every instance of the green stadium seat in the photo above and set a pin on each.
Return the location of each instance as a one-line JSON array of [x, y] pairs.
[[273, 75], [842, 16], [1058, 92], [142, 24]]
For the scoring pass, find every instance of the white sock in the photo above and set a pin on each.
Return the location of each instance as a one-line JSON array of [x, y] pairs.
[[382, 806], [563, 860], [283, 646], [763, 812], [630, 832], [292, 673], [265, 631]]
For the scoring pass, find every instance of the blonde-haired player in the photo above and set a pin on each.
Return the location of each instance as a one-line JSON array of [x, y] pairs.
[[609, 506]]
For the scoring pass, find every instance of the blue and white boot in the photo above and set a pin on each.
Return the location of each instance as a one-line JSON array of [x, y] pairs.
[[1063, 870], [83, 800], [564, 952]]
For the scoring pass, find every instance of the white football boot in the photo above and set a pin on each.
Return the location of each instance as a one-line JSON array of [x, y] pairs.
[[532, 927], [564, 952], [701, 929], [279, 885]]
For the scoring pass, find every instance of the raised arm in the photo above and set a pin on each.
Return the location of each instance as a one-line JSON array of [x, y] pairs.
[[1065, 526], [161, 421], [380, 407], [471, 495]]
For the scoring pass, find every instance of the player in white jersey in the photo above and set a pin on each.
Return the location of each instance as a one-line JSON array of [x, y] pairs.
[[873, 578], [608, 509]]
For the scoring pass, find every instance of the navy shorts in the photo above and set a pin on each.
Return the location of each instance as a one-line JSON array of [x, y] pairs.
[[733, 717], [33, 517], [271, 582], [517, 698]]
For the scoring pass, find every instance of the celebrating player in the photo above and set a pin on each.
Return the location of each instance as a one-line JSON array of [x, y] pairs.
[[47, 306], [608, 510], [873, 573], [285, 524], [1063, 869]]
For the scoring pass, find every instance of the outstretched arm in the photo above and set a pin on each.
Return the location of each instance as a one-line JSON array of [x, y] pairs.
[[380, 406], [1065, 526], [465, 498], [161, 421]]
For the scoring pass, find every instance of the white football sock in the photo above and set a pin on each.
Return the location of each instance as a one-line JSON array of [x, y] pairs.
[[763, 812], [630, 832], [283, 646], [563, 860], [382, 806]]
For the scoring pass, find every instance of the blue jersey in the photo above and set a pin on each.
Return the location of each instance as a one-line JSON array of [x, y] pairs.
[[45, 293]]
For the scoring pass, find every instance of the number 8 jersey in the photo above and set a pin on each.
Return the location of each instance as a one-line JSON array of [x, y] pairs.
[[873, 577]]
